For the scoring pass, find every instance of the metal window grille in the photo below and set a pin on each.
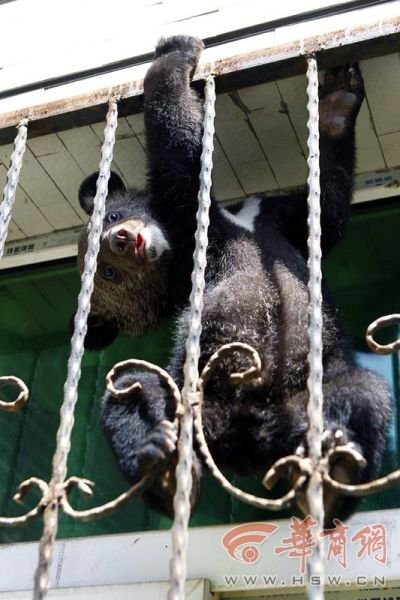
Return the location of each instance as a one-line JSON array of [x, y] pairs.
[[313, 469]]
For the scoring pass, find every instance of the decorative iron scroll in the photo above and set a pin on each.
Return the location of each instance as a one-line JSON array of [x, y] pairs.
[[382, 323], [19, 497], [22, 397]]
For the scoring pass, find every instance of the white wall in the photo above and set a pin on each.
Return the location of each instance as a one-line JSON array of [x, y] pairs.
[[42, 39]]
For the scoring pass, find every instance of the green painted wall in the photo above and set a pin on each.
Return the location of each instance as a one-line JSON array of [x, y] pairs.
[[363, 273]]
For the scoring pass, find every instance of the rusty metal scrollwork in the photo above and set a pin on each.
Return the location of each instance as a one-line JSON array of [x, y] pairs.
[[387, 481], [19, 497], [377, 325], [279, 469], [22, 398], [383, 483]]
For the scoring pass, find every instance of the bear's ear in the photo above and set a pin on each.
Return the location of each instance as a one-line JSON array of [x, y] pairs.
[[87, 190], [100, 332]]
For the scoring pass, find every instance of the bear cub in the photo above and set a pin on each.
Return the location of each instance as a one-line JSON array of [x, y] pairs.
[[256, 293]]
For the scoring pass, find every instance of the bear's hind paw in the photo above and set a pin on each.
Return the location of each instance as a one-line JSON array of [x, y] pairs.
[[341, 95]]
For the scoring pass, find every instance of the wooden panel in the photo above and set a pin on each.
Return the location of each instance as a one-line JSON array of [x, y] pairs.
[[225, 183], [276, 135], [63, 170], [26, 216], [38, 188], [257, 97], [14, 232], [235, 133], [242, 148], [256, 177], [240, 143], [46, 195], [136, 122], [5, 154], [293, 92], [129, 156], [38, 184], [382, 80], [84, 145], [369, 153], [130, 159], [62, 216], [42, 191], [390, 144]]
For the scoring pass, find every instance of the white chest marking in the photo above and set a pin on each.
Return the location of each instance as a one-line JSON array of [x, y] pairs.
[[247, 215]]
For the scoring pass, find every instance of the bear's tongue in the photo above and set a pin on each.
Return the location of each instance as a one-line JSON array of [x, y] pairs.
[[140, 246]]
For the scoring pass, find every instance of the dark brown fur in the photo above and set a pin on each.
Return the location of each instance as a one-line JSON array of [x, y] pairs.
[[255, 293]]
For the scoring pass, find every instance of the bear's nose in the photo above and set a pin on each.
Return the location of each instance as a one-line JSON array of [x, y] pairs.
[[121, 239], [125, 235]]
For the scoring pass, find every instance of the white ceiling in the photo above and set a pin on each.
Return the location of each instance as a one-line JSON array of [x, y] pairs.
[[260, 147]]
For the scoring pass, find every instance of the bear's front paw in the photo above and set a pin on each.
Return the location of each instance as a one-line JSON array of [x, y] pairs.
[[191, 46], [341, 95], [159, 445]]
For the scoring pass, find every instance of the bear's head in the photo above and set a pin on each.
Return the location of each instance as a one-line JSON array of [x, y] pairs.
[[130, 292]]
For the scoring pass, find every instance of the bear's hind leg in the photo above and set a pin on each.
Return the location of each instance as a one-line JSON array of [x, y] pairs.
[[356, 413]]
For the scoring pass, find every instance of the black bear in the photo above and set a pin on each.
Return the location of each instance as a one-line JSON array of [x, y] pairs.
[[255, 293]]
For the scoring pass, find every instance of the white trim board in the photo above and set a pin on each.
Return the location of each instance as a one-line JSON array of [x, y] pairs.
[[129, 78], [103, 34], [194, 590], [132, 558]]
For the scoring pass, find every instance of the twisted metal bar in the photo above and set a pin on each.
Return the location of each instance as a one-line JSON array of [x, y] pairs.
[[10, 189], [315, 567], [22, 398], [185, 445], [375, 326], [74, 363]]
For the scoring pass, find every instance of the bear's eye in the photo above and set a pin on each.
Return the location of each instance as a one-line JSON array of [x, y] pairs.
[[107, 272], [112, 217]]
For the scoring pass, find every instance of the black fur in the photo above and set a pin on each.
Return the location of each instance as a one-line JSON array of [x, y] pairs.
[[255, 293]]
